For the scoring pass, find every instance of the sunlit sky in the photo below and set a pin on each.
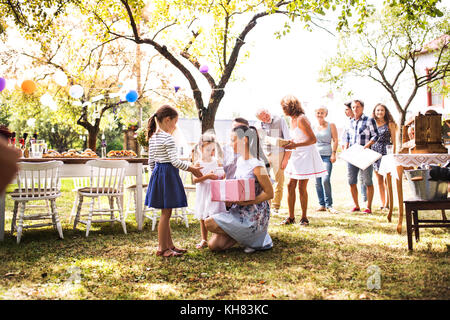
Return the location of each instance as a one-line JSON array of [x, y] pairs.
[[291, 65]]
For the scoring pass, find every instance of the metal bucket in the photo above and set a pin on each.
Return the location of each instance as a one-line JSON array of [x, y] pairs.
[[441, 190], [421, 185]]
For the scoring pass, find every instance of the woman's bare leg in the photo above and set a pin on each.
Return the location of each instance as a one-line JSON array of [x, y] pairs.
[[291, 197], [219, 240], [381, 188], [302, 188]]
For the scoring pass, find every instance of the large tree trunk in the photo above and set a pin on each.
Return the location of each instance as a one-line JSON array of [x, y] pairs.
[[92, 139], [209, 114]]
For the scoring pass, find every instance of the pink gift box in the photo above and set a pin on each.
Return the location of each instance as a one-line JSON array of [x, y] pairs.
[[233, 190]]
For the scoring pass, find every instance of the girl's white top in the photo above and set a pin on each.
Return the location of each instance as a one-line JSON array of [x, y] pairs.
[[204, 207]]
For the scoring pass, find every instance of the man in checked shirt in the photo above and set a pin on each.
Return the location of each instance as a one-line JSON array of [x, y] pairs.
[[363, 131]]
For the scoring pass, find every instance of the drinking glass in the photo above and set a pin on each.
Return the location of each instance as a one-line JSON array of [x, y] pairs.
[[38, 147]]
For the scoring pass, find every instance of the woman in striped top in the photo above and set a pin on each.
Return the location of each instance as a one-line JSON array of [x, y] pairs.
[[165, 190]]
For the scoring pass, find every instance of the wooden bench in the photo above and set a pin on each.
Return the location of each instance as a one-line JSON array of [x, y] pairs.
[[414, 224]]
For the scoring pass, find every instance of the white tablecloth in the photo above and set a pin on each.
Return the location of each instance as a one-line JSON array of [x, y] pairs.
[[390, 162]]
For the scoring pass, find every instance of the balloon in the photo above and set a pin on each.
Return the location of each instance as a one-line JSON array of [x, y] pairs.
[[46, 100], [76, 91], [204, 68], [176, 88], [132, 96], [2, 84], [61, 78], [28, 86]]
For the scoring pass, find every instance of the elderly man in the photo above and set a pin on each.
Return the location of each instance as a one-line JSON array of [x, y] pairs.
[[363, 131], [274, 127]]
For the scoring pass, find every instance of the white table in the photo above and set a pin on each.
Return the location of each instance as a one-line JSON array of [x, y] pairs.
[[75, 167], [392, 165]]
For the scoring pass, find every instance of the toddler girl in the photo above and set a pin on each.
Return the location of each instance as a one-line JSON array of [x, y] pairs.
[[204, 207]]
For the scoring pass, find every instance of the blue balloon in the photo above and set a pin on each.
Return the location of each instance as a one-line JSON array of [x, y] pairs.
[[132, 96]]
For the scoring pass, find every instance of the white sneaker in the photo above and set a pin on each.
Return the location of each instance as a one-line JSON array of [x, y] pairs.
[[332, 210], [249, 250]]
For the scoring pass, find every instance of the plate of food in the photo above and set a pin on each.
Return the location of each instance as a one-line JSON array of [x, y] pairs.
[[121, 154], [71, 153], [51, 154]]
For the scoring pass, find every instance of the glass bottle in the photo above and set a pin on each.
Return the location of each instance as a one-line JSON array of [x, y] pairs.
[[103, 146]]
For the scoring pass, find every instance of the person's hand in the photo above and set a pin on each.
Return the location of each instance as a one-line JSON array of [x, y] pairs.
[[196, 171], [291, 145], [243, 203], [213, 176], [333, 158], [8, 162]]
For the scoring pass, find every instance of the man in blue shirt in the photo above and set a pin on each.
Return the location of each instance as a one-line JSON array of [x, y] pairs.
[[363, 131]]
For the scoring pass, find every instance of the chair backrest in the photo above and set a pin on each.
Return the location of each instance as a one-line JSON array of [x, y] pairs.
[[38, 179], [131, 180], [186, 177], [107, 176], [80, 182]]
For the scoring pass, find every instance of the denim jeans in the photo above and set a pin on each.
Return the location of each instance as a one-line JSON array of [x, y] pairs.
[[323, 185]]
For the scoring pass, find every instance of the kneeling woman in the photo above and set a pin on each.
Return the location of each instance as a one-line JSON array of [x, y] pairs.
[[246, 222]]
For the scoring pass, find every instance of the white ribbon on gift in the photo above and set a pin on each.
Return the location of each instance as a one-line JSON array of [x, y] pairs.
[[222, 190], [247, 189]]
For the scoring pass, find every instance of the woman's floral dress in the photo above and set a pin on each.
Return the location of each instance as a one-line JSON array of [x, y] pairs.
[[247, 224]]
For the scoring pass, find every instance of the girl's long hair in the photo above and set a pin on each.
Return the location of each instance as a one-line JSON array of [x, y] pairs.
[[163, 112], [387, 115]]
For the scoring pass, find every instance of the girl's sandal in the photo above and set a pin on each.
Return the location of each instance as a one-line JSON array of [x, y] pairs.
[[168, 253], [202, 244]]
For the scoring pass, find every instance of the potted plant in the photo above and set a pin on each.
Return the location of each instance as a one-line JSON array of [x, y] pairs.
[[141, 138]]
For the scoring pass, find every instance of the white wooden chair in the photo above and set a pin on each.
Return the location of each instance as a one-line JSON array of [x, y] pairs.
[[106, 180], [37, 181], [130, 187], [79, 183], [183, 213]]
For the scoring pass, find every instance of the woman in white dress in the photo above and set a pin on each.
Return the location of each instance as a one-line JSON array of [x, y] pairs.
[[305, 162]]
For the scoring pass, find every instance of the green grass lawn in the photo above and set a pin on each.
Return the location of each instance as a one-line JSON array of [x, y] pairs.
[[329, 259]]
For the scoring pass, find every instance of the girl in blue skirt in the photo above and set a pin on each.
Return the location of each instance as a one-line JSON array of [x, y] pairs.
[[165, 190]]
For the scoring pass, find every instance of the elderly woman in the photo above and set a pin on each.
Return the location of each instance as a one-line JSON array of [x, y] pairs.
[[327, 143], [246, 222]]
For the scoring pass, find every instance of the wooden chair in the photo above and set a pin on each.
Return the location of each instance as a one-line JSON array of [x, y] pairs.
[[106, 180], [178, 213], [183, 213], [79, 183], [37, 181], [130, 188]]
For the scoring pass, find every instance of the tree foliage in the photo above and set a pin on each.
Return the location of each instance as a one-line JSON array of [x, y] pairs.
[[388, 50]]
